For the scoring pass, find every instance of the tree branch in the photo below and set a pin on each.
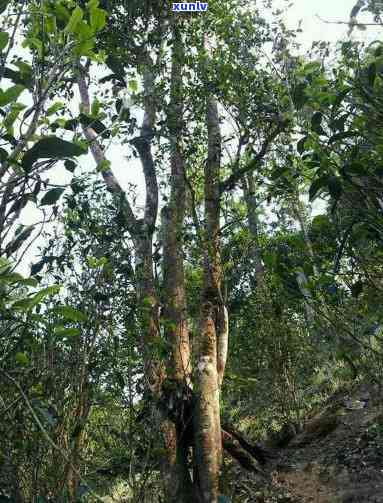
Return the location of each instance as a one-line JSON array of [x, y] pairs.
[[235, 177], [99, 156]]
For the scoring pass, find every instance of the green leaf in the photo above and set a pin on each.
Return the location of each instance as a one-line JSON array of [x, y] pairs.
[[36, 268], [70, 165], [55, 108], [10, 94], [51, 197], [30, 302], [69, 313], [4, 39], [4, 5], [97, 18], [67, 332], [301, 144], [298, 96], [371, 74], [334, 186], [4, 265], [133, 85], [74, 20], [340, 97], [95, 109], [45, 292], [103, 165], [342, 136], [61, 12], [15, 244], [51, 147], [35, 43], [15, 278], [316, 186], [95, 124], [12, 115], [22, 77], [22, 358], [316, 123]]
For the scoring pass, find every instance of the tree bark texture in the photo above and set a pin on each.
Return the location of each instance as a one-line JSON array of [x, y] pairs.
[[213, 325]]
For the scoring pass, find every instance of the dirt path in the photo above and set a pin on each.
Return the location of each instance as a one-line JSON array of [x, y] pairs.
[[338, 458]]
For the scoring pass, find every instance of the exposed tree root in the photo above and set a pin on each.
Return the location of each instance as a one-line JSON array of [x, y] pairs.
[[250, 457]]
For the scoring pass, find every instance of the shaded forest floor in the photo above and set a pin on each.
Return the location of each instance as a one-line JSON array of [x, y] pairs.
[[336, 458]]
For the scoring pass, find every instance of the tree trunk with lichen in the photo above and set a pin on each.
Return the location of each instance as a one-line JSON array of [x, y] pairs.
[[213, 325], [179, 487]]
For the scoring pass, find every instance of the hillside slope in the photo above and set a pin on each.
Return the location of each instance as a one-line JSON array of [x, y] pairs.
[[337, 458]]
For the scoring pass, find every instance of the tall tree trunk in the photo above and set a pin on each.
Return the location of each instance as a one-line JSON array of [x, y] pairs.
[[178, 486], [250, 193], [141, 232], [213, 325]]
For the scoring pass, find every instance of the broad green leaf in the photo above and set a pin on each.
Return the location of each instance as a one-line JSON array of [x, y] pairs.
[[10, 94], [4, 265], [50, 24], [97, 19], [22, 77], [51, 197], [46, 292], [13, 278], [86, 42], [94, 263], [67, 332], [4, 39], [61, 12], [22, 358], [35, 43], [74, 20], [51, 147], [69, 313], [55, 108], [12, 115]]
